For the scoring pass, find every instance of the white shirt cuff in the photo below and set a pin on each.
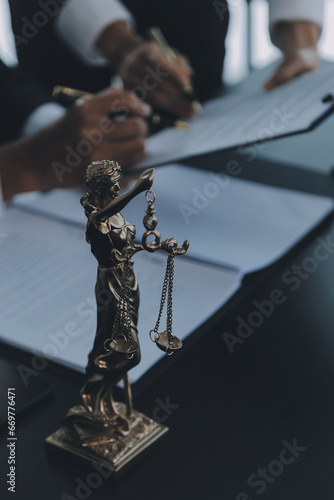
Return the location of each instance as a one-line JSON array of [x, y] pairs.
[[80, 22], [296, 10], [41, 117]]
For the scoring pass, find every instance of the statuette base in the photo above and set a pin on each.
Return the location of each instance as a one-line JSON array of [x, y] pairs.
[[117, 449]]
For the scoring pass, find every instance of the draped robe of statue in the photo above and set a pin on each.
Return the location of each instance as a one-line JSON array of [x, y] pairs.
[[105, 369]]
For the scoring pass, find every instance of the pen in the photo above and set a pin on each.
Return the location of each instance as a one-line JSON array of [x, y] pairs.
[[189, 92], [156, 121]]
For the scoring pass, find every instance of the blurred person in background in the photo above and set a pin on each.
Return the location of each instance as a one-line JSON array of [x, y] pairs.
[[51, 155], [82, 43]]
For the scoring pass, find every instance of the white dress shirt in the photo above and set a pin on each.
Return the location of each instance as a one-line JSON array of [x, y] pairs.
[[80, 22], [41, 117], [296, 10]]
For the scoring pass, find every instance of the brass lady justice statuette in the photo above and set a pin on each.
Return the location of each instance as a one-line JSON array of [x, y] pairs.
[[101, 430]]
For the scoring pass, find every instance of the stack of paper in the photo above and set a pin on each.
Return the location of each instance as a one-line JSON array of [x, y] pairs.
[[249, 115]]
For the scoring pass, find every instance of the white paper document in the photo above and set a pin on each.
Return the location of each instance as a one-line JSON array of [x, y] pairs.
[[59, 204], [47, 291], [247, 116], [229, 222]]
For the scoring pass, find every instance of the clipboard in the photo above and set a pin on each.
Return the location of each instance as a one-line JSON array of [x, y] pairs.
[[247, 115]]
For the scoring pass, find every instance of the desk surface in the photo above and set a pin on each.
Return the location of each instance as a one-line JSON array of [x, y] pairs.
[[232, 413]]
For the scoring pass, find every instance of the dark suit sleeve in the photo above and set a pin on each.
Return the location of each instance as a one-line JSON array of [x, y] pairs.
[[20, 95], [42, 52], [196, 28]]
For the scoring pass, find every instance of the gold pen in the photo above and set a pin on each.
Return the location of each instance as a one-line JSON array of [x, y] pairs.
[[157, 36], [60, 90]]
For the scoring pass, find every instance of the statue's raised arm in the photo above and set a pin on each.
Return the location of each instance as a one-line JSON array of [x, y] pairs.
[[116, 204]]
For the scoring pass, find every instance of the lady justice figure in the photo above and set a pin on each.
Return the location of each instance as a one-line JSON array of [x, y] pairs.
[[116, 347], [109, 235]]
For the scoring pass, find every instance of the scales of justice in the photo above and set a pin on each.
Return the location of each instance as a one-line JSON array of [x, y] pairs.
[[102, 430]]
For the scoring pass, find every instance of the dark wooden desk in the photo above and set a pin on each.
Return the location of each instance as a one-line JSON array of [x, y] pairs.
[[231, 414]]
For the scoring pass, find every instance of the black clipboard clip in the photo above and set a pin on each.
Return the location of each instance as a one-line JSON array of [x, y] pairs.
[[328, 98]]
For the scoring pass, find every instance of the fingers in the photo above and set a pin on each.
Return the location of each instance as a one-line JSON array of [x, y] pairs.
[[160, 82], [126, 152], [120, 141], [106, 138], [113, 100], [184, 63], [155, 78], [178, 71], [130, 128], [148, 78], [289, 70], [175, 104], [161, 95]]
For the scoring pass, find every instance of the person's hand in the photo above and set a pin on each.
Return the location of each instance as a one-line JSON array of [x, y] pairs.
[[122, 141], [160, 82], [145, 69], [58, 155], [298, 43]]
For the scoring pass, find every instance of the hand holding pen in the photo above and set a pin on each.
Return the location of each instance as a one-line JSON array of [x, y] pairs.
[[187, 89], [101, 137], [160, 82], [155, 121], [57, 155], [146, 69]]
